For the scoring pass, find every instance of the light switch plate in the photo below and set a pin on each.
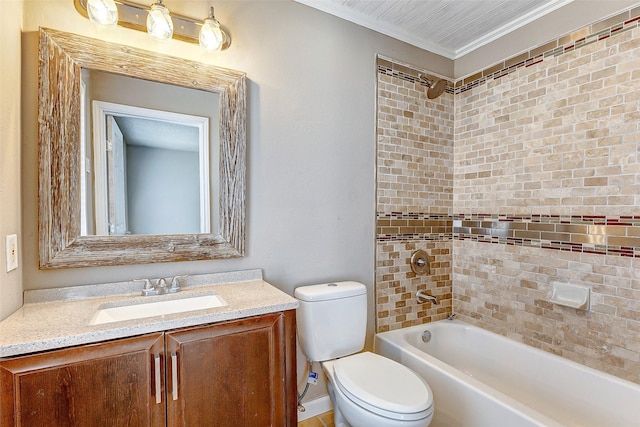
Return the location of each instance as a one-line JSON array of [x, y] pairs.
[[11, 252]]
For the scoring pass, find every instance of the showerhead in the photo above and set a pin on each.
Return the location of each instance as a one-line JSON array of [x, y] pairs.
[[436, 87]]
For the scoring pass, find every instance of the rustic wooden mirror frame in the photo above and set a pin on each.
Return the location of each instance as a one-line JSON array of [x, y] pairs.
[[62, 56]]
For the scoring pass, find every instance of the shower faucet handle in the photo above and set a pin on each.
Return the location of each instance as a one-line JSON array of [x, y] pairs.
[[419, 262]]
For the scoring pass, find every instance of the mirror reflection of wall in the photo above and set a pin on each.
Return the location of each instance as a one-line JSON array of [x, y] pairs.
[[163, 194], [159, 182], [154, 179]]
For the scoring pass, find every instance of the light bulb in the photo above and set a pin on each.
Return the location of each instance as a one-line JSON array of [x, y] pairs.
[[211, 36], [103, 12], [159, 23]]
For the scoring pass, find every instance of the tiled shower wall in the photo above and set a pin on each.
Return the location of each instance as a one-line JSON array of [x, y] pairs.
[[415, 196], [546, 187]]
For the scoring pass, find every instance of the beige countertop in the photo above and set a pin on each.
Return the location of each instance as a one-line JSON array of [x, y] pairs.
[[56, 318]]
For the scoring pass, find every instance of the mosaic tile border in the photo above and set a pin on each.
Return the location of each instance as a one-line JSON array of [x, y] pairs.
[[398, 226], [593, 234], [404, 73], [595, 32]]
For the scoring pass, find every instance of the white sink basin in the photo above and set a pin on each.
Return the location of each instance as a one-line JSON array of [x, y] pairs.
[[142, 309]]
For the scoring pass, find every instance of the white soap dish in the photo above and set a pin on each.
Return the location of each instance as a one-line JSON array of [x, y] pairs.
[[570, 295]]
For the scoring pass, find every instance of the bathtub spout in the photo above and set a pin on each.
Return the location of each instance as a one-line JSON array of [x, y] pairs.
[[422, 297]]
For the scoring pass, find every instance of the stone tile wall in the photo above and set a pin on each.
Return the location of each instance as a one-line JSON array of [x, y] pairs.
[[545, 170], [547, 188], [414, 196]]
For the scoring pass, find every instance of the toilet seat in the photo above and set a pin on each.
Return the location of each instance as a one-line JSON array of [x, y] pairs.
[[383, 386]]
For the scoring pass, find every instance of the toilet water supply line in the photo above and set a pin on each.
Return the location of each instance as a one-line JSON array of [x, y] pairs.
[[312, 378]]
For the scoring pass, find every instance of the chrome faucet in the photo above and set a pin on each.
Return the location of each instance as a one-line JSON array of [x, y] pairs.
[[422, 297], [160, 287]]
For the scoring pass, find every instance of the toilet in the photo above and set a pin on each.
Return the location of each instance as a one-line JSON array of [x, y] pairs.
[[366, 389]]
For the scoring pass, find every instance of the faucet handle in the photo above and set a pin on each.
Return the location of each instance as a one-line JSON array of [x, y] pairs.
[[148, 287], [175, 283]]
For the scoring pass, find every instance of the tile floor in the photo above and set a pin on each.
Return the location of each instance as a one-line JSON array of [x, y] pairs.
[[322, 420]]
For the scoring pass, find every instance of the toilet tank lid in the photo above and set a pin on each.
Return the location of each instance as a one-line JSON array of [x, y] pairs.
[[329, 291]]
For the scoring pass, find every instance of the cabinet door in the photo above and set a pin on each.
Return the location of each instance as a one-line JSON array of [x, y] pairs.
[[106, 384], [233, 374]]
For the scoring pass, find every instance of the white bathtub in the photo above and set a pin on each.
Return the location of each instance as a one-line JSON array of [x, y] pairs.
[[482, 379]]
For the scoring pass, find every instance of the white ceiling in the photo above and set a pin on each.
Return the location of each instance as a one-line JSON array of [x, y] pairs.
[[451, 28], [159, 134]]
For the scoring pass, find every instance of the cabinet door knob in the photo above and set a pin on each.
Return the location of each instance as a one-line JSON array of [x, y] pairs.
[[174, 376], [158, 379]]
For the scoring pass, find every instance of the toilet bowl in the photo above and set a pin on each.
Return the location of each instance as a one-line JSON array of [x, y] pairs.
[[366, 389], [370, 390]]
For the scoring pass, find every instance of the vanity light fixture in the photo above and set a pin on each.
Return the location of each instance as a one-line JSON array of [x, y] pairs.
[[211, 36], [103, 12], [158, 23]]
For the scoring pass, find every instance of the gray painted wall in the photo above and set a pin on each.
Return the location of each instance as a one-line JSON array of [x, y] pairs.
[[11, 13], [311, 140], [163, 191]]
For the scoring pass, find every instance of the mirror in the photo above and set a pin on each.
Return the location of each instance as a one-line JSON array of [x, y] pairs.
[[141, 151], [142, 159], [64, 58]]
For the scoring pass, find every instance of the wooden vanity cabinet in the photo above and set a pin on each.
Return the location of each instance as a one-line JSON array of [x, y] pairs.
[[233, 374], [236, 373], [106, 384]]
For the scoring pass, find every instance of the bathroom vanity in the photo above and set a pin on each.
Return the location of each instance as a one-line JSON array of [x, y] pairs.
[[231, 365]]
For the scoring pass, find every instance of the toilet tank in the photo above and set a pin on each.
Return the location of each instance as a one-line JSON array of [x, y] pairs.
[[331, 319]]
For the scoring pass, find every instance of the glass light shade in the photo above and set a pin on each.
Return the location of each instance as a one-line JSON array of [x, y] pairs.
[[103, 12], [211, 36], [159, 23]]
